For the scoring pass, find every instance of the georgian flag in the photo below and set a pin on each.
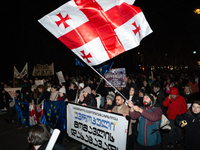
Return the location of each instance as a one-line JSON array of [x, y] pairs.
[[97, 30]]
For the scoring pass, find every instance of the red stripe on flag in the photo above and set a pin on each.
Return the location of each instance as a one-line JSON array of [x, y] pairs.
[[74, 38], [104, 27], [101, 24]]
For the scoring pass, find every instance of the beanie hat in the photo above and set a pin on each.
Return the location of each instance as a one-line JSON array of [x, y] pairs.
[[81, 85], [87, 89], [151, 97], [62, 89], [173, 91], [110, 97]]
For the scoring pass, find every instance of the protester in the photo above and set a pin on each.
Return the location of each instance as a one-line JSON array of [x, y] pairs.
[[110, 99], [87, 98], [168, 84], [38, 137], [146, 87], [5, 99], [194, 85], [54, 93], [192, 132], [176, 106], [72, 90], [150, 119], [133, 96], [79, 92], [42, 94], [159, 94], [141, 95], [121, 108], [62, 94], [189, 95]]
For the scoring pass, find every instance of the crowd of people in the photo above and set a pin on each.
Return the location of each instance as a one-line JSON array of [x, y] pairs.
[[144, 99]]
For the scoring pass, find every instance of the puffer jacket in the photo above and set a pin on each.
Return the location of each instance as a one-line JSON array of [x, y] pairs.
[[175, 106]]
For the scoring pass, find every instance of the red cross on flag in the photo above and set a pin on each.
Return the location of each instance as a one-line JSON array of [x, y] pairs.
[[97, 30]]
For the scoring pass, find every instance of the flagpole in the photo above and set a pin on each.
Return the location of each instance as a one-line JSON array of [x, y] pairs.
[[99, 84], [107, 82], [13, 77]]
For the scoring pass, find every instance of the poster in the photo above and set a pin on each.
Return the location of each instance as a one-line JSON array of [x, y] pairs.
[[116, 77], [96, 128], [60, 77]]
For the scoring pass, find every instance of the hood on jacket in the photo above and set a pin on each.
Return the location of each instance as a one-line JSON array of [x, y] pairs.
[[173, 91]]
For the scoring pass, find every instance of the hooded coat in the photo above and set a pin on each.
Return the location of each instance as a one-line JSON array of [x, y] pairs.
[[175, 106]]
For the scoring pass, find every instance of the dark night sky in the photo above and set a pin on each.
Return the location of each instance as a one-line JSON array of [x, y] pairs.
[[174, 24]]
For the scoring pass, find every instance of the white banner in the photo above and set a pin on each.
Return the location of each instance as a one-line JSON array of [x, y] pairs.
[[12, 92], [43, 70], [60, 77], [96, 128], [22, 73]]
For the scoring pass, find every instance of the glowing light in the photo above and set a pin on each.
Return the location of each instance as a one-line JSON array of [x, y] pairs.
[[197, 11]]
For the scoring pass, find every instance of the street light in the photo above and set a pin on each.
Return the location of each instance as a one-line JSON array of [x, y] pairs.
[[197, 10]]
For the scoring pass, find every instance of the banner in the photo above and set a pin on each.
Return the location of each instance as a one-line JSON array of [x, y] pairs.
[[43, 70], [96, 128], [22, 73], [12, 92], [117, 77], [60, 77]]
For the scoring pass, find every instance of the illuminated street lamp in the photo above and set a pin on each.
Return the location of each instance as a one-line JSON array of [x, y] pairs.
[[197, 10]]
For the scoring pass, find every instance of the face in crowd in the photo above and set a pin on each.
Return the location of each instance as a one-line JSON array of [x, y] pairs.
[[147, 101], [196, 108], [119, 101]]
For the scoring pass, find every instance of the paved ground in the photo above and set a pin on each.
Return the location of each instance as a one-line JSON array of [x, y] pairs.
[[11, 138]]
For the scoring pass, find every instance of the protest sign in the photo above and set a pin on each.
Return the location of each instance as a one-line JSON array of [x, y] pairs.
[[39, 82], [43, 70], [116, 77], [60, 77], [96, 128], [12, 92]]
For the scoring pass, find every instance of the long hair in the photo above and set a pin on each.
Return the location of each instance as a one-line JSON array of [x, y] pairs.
[[41, 87], [195, 102], [190, 89], [135, 91], [87, 99]]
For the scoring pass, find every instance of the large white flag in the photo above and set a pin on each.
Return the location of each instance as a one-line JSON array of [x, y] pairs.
[[97, 30], [22, 73]]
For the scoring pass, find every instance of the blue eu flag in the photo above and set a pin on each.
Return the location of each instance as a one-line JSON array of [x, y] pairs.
[[22, 109], [54, 114], [105, 68]]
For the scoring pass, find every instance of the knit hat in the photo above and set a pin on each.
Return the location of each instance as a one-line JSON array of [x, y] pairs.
[[151, 97], [87, 89], [62, 89], [173, 91], [81, 85], [110, 97]]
